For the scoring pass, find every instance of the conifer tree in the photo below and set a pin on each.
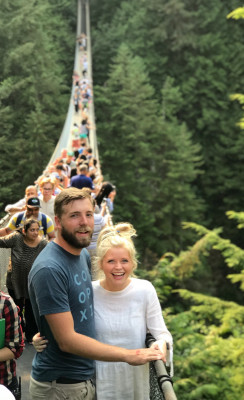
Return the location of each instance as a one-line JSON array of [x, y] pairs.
[[207, 330], [194, 46], [144, 155], [33, 94]]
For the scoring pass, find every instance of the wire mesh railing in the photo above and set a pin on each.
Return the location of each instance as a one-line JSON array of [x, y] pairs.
[[161, 384]]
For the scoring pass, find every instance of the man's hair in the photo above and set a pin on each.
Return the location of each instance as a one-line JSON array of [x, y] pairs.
[[83, 167], [67, 196], [30, 187]]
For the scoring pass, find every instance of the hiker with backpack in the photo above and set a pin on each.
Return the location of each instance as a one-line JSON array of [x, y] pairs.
[[46, 227]]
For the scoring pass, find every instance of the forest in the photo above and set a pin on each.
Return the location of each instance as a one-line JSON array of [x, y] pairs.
[[168, 80]]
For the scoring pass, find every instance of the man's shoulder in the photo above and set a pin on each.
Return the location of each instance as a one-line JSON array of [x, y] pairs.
[[13, 220], [41, 214], [49, 257], [74, 178]]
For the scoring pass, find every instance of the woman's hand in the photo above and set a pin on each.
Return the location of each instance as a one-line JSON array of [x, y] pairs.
[[39, 342], [162, 347]]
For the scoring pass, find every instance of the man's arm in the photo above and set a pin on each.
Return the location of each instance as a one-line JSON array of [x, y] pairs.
[[51, 236], [50, 228], [69, 341], [16, 207]]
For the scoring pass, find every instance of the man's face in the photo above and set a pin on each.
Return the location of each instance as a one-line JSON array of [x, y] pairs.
[[77, 223], [30, 193], [32, 212]]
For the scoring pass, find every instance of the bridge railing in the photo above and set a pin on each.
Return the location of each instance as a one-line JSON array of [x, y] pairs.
[[161, 384]]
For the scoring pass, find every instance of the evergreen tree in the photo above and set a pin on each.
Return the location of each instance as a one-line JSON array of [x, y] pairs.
[[33, 93], [144, 154], [129, 116], [194, 45], [207, 330]]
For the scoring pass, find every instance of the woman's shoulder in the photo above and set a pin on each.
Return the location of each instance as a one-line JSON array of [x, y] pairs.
[[141, 282], [43, 243], [95, 284]]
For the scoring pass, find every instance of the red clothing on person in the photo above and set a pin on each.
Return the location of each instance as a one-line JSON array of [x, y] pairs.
[[13, 337]]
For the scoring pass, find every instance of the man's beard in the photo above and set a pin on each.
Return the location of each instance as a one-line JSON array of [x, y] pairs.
[[72, 240]]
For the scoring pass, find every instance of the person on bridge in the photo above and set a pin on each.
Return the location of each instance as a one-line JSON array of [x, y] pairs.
[[59, 174], [82, 180], [32, 210], [126, 308], [106, 193], [47, 198], [30, 191], [13, 344], [25, 247], [61, 294]]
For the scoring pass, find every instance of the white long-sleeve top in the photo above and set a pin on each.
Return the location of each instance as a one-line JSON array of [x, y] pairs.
[[122, 319]]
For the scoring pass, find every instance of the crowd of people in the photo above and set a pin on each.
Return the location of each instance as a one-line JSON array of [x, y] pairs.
[[61, 238]]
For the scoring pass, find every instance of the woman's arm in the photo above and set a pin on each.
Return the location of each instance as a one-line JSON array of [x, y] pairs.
[[6, 354], [9, 240], [158, 329]]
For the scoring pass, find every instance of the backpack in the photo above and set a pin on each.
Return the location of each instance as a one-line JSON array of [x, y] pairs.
[[44, 222]]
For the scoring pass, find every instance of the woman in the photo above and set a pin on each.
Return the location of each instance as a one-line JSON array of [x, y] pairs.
[[125, 309], [25, 247], [107, 193]]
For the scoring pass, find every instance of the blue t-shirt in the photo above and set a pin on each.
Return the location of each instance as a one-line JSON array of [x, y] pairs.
[[80, 181], [59, 282]]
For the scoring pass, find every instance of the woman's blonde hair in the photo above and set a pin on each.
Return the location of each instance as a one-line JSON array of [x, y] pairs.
[[119, 235]]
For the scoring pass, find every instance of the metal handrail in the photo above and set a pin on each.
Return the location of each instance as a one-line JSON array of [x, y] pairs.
[[164, 380]]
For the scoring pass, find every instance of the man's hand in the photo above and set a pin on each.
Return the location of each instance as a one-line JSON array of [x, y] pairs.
[[142, 356], [39, 342]]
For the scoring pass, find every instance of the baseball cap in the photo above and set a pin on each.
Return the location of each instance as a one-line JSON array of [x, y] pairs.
[[33, 202]]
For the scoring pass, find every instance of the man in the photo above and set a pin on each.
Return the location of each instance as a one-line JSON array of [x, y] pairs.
[[30, 191], [62, 300], [46, 197], [82, 180], [32, 210]]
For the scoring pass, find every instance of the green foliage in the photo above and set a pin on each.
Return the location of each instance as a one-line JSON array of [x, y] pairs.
[[34, 89], [237, 13], [146, 155], [208, 331], [209, 347], [190, 52]]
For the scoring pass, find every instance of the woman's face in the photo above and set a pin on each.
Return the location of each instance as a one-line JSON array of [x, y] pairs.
[[117, 267], [33, 231]]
